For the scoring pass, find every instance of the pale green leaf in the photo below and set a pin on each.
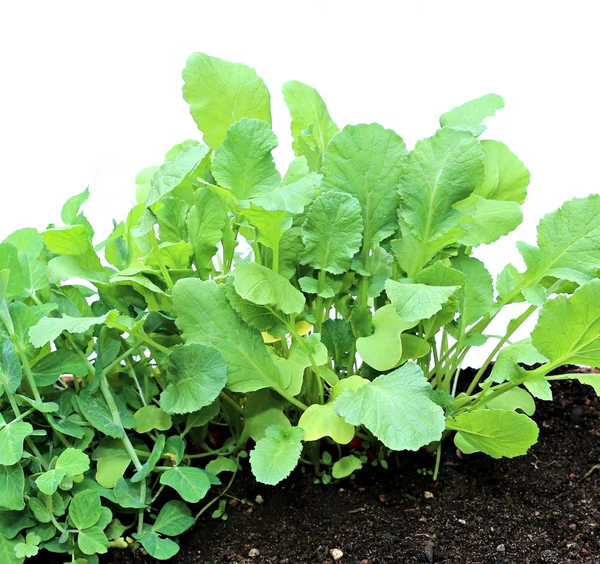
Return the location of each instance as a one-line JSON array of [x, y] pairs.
[[320, 421], [161, 549], [220, 93], [221, 464], [173, 519], [260, 285], [85, 509], [72, 207], [476, 296], [92, 541], [345, 466], [10, 369], [12, 436], [495, 432], [396, 408], [192, 484], [366, 161], [12, 485], [113, 460], [152, 461], [49, 328], [151, 417], [196, 374], [261, 411], [129, 494], [470, 114], [276, 454], [415, 302]]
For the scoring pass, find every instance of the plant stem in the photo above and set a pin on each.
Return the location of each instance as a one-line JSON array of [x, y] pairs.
[[225, 397]]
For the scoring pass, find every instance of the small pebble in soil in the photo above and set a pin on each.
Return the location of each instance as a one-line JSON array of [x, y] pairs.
[[462, 521], [572, 526], [500, 548], [254, 552], [259, 499], [427, 495], [336, 553]]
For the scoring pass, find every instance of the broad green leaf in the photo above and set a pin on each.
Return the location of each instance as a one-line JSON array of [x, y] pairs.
[[221, 464], [332, 232], [441, 171], [29, 245], [320, 421], [506, 366], [415, 302], [366, 161], [62, 361], [174, 449], [206, 222], [254, 315], [85, 509], [476, 296], [49, 328], [276, 454], [152, 461], [171, 218], [485, 221], [173, 172], [591, 380], [413, 346], [440, 274], [345, 466], [72, 207], [496, 432], [7, 550], [506, 177], [12, 436], [203, 416], [260, 285], [72, 240], [192, 484], [130, 495], [261, 411], [205, 317], [113, 460], [92, 541], [71, 462], [12, 485], [396, 408], [307, 108], [568, 243], [94, 408], [9, 260], [151, 417], [220, 93], [336, 335], [196, 374], [10, 369], [243, 163], [516, 399], [173, 519], [12, 522], [470, 114], [383, 349], [568, 328], [48, 482], [161, 549]]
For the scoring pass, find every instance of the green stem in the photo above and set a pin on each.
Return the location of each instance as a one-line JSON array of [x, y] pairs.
[[225, 397], [218, 497], [438, 459]]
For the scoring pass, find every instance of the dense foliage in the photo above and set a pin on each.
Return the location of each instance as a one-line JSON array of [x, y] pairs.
[[316, 318]]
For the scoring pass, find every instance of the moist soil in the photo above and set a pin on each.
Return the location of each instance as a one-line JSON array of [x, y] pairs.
[[544, 507]]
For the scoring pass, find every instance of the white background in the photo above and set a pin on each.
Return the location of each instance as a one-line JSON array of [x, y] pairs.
[[90, 93]]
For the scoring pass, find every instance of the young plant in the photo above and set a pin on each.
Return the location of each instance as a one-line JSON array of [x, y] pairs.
[[319, 317]]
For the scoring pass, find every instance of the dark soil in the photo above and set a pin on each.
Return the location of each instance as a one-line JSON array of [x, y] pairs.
[[543, 507]]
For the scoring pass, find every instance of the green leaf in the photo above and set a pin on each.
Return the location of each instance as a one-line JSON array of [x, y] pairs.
[[320, 421], [260, 285], [206, 222], [92, 541], [495, 432], [48, 482], [73, 461], [29, 245], [506, 177], [205, 317], [439, 172], [516, 399], [130, 495], [220, 93], [243, 163], [308, 109], [62, 361], [171, 218], [476, 296], [192, 484], [276, 454], [173, 519], [151, 417], [470, 114], [12, 436], [261, 411], [365, 161], [49, 328], [568, 243], [85, 509], [336, 335], [9, 260], [332, 232], [396, 408], [161, 549], [113, 460], [10, 369], [173, 172], [72, 207], [506, 366], [383, 349], [196, 374], [152, 461], [415, 302], [221, 464], [94, 408], [7, 550], [12, 485], [29, 548], [12, 522], [345, 466], [254, 315], [174, 449], [568, 328]]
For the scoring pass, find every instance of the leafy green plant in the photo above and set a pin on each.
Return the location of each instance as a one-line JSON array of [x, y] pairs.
[[318, 318]]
